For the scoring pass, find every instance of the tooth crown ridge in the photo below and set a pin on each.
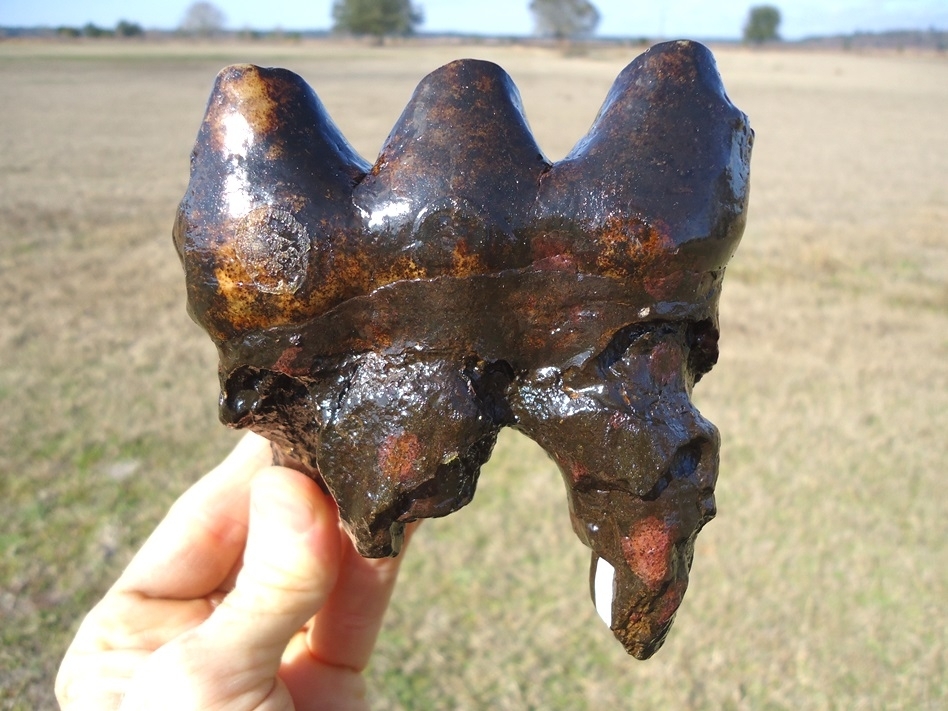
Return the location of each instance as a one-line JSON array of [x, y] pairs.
[[283, 221]]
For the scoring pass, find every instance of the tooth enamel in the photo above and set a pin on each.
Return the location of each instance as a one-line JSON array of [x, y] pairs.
[[604, 589]]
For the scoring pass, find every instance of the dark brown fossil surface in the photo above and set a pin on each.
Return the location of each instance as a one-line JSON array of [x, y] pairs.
[[381, 323]]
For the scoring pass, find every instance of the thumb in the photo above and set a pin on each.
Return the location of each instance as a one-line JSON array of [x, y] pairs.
[[290, 565]]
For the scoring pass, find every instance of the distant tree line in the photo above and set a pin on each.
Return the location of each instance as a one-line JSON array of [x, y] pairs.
[[124, 28], [201, 19], [562, 19], [559, 19]]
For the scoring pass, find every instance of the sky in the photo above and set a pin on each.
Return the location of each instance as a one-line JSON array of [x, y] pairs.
[[699, 19]]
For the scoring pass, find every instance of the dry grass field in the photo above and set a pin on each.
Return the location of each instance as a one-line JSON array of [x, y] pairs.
[[822, 584]]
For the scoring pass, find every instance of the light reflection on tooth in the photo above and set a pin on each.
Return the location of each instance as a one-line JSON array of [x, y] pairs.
[[604, 590]]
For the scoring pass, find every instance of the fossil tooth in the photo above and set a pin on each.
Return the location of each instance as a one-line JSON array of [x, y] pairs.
[[381, 323]]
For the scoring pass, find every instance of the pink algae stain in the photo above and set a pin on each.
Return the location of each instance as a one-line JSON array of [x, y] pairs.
[[663, 288], [665, 363], [671, 601], [556, 263], [552, 250], [397, 455], [616, 420], [285, 363], [648, 551], [577, 472]]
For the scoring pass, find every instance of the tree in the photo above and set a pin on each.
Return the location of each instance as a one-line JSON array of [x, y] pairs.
[[564, 19], [92, 30], [124, 28], [762, 24], [203, 18], [376, 17]]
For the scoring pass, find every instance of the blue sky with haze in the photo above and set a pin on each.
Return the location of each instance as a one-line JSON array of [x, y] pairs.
[[709, 19]]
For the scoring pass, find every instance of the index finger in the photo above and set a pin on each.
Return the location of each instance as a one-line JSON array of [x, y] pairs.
[[201, 539], [344, 632]]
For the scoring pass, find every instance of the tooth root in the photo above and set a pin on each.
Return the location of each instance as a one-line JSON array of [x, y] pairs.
[[604, 589]]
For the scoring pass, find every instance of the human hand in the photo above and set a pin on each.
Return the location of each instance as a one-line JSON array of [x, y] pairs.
[[248, 595]]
